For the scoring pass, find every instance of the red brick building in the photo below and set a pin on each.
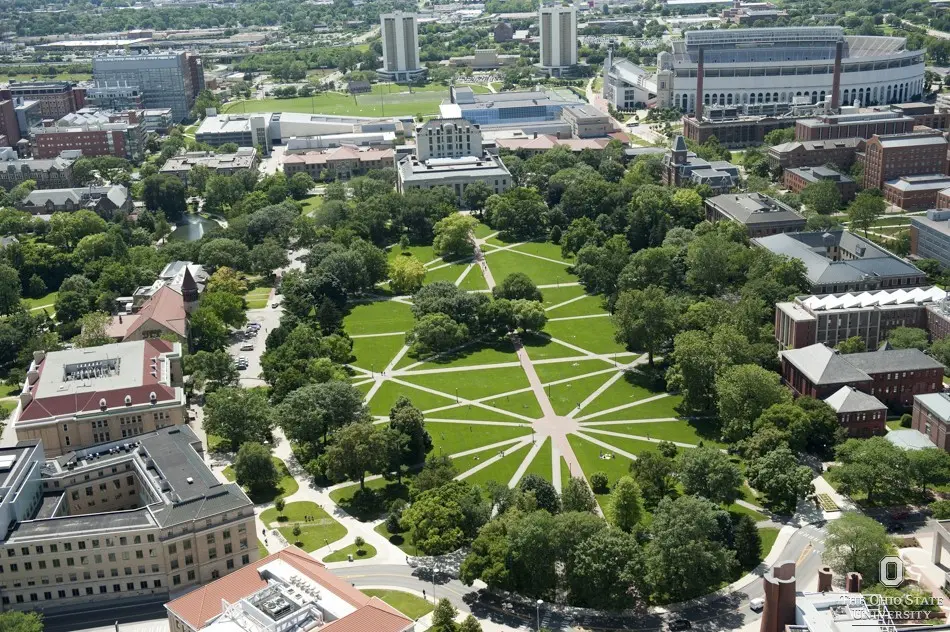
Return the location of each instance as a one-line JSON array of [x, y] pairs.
[[862, 414], [894, 376], [813, 153], [861, 125], [798, 179], [916, 193], [8, 123], [57, 98], [932, 416], [893, 156]]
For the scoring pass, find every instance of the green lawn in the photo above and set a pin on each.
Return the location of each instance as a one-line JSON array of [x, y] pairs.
[[768, 536], [595, 335], [566, 397], [556, 295], [389, 392], [474, 280], [565, 473], [293, 512], [588, 455], [501, 470], [473, 384], [451, 439], [739, 509], [315, 533], [46, 301], [376, 353], [541, 272], [363, 553], [378, 317], [378, 103], [483, 230], [397, 539], [657, 409], [6, 408], [541, 464], [406, 603], [587, 306], [522, 403], [60, 76], [631, 446], [386, 492], [541, 347], [475, 354], [311, 204], [287, 486], [449, 273], [422, 253], [468, 412], [262, 551], [543, 249], [682, 431], [623, 391], [562, 370], [257, 298], [313, 537]]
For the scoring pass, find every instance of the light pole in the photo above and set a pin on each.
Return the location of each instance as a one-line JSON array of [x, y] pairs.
[[538, 610]]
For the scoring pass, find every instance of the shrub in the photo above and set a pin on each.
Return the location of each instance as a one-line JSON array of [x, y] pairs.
[[906, 420], [940, 509], [599, 482]]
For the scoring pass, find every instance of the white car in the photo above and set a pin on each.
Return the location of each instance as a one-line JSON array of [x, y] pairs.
[[757, 604], [247, 346]]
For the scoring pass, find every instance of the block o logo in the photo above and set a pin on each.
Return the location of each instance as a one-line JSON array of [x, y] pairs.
[[891, 571]]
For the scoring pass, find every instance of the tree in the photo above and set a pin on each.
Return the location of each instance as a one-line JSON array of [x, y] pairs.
[[929, 467], [226, 280], [645, 319], [907, 338], [605, 572], [626, 504], [165, 193], [475, 195], [94, 327], [228, 307], [279, 506], [708, 472], [653, 472], [872, 466], [436, 333], [216, 253], [517, 213], [940, 349], [10, 288], [529, 315], [435, 523], [238, 415], [544, 492], [779, 476], [854, 344], [300, 184], [406, 274], [356, 448], [408, 420], [268, 256], [359, 542], [744, 392], [599, 482], [856, 543], [437, 471], [254, 468], [443, 617], [746, 541], [517, 285], [576, 496], [14, 621], [453, 238], [211, 370], [470, 623], [866, 207], [822, 197], [686, 557], [208, 331]]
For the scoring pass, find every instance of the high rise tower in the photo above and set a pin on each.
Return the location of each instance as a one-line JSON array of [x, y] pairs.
[[400, 33], [558, 38]]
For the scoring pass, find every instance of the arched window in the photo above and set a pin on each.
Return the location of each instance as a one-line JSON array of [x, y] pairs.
[[775, 97], [847, 95], [821, 96], [706, 99], [729, 99]]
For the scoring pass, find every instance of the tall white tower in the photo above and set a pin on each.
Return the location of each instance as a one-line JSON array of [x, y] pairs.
[[558, 38], [400, 46]]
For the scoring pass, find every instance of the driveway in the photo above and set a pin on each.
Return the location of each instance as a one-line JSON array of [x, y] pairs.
[[271, 164], [269, 318]]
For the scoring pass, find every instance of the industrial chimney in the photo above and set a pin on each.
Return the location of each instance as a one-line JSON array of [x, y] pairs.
[[700, 70], [836, 78]]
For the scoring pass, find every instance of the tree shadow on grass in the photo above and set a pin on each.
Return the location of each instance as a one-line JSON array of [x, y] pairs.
[[370, 504]]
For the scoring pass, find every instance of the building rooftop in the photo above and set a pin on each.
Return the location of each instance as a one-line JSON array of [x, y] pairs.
[[916, 139], [877, 298], [116, 193], [816, 145], [344, 152], [928, 182], [823, 365], [412, 169], [938, 403], [754, 208], [165, 307], [289, 588], [850, 400], [869, 259], [893, 360], [818, 174], [245, 158], [86, 381], [544, 142], [909, 439]]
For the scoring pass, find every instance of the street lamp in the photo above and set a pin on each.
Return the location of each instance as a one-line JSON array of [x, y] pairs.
[[538, 610]]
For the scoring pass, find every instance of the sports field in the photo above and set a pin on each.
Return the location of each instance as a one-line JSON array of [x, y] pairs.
[[384, 100]]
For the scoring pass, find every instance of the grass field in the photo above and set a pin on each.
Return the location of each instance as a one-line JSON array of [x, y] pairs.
[[496, 352], [381, 102], [397, 539], [588, 455], [257, 298], [422, 253], [586, 306], [501, 470], [287, 486], [451, 439], [311, 204], [406, 603], [656, 409], [468, 412], [768, 536], [376, 352], [389, 392], [387, 491], [541, 347], [62, 76], [315, 533], [623, 391], [362, 553], [378, 317], [41, 302], [7, 406], [681, 431], [556, 295], [595, 334], [522, 403], [473, 384], [541, 464], [566, 397], [542, 272], [562, 370], [450, 273]]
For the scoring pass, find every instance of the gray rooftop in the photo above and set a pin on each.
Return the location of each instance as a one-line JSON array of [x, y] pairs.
[[117, 193], [488, 166], [909, 439], [869, 259], [938, 403], [893, 360], [850, 400], [817, 174], [755, 208], [822, 365]]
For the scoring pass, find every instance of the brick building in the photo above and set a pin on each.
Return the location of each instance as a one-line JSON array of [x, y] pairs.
[[853, 125], [48, 173], [122, 140], [799, 178], [930, 234], [892, 156], [931, 416], [682, 167], [813, 153], [57, 98], [341, 162], [758, 213], [833, 318], [894, 376], [9, 126], [915, 193], [862, 414]]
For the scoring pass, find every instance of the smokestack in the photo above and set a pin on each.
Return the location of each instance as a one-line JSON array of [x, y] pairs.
[[852, 582], [824, 579], [699, 86], [836, 78], [779, 589]]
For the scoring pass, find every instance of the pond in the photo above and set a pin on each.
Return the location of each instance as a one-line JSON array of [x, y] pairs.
[[193, 228]]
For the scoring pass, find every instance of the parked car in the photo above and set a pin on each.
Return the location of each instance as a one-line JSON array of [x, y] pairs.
[[275, 304], [757, 604], [247, 346], [678, 625]]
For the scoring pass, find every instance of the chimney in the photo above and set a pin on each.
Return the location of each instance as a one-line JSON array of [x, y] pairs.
[[836, 78], [852, 582], [700, 69], [779, 588], [824, 579]]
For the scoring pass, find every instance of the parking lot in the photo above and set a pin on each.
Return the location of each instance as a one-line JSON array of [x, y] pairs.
[[268, 318]]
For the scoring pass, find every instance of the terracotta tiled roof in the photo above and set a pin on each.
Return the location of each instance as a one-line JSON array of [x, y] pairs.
[[44, 405], [166, 307], [345, 152], [544, 142], [201, 605]]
